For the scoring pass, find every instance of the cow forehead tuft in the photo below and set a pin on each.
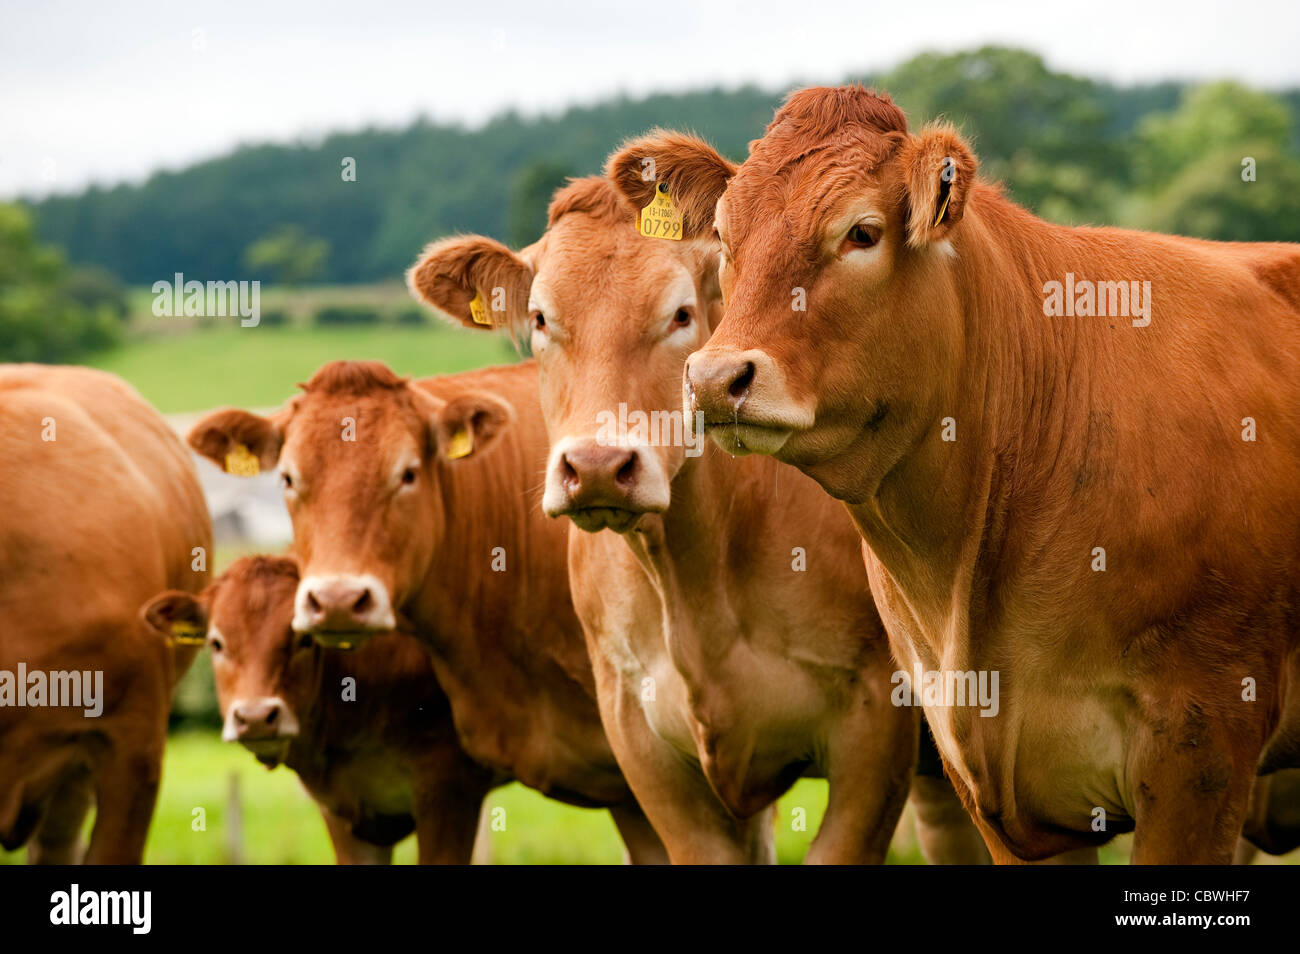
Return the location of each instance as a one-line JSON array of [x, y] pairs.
[[353, 378]]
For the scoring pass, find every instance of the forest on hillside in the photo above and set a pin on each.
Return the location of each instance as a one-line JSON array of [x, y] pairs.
[[1076, 150]]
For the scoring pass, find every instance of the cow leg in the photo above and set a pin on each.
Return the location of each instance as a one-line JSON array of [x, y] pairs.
[[871, 758], [1190, 796], [695, 826], [348, 848], [126, 789], [944, 829], [644, 846], [447, 812], [58, 839], [1273, 818]]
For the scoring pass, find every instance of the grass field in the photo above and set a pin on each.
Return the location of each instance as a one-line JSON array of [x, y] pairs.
[[259, 367], [280, 825]]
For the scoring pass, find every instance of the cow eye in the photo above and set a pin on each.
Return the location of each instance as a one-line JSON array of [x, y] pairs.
[[216, 643], [539, 321], [683, 317], [408, 476], [286, 481], [863, 236]]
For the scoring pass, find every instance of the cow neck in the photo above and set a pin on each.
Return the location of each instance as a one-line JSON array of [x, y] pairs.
[[686, 552], [463, 601], [937, 523]]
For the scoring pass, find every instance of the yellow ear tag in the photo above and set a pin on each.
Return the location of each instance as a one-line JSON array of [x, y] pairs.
[[187, 634], [942, 209], [242, 462], [460, 445], [661, 219], [478, 310]]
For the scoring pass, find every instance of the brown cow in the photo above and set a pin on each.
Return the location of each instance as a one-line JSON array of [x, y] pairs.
[[101, 509], [368, 732], [1103, 510], [725, 671], [417, 502]]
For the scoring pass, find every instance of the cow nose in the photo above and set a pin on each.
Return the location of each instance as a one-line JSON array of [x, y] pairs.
[[259, 719], [594, 475], [718, 382], [342, 603]]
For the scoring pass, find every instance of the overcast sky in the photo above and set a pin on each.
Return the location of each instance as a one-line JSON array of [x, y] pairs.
[[89, 93]]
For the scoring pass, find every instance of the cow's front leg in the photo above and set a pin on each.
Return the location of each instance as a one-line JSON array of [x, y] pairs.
[[872, 753], [348, 848], [1273, 818], [1190, 782], [449, 797], [670, 786], [644, 846], [126, 789], [58, 839]]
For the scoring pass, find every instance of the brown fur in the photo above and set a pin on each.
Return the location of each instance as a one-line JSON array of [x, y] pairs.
[[96, 521], [760, 672], [380, 766], [506, 646], [1122, 690]]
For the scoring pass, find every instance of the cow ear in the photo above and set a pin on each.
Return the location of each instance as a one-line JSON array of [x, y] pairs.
[[938, 172], [178, 616], [474, 280], [238, 442], [469, 423], [691, 171]]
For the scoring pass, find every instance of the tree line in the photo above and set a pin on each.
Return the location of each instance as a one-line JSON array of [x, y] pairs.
[[1219, 161]]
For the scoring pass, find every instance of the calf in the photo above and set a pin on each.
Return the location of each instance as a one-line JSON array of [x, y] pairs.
[[734, 638], [368, 732], [414, 504], [1100, 501], [101, 509]]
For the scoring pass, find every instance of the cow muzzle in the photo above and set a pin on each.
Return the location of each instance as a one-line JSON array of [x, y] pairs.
[[743, 399], [265, 726], [598, 485], [342, 610]]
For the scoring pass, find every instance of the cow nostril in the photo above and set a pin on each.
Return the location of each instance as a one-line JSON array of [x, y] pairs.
[[740, 385], [239, 718], [626, 474], [312, 603], [363, 604], [567, 472], [273, 715]]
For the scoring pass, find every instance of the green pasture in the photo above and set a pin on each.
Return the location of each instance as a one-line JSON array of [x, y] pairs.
[[279, 824], [193, 364]]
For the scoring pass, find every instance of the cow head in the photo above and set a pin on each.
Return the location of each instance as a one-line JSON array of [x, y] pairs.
[[363, 457], [841, 319], [266, 674], [611, 316]]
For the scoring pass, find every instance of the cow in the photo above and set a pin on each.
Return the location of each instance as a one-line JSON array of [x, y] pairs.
[[102, 508], [1100, 505], [368, 732], [734, 639], [415, 506]]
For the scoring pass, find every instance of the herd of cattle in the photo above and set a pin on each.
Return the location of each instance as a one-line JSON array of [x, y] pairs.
[[915, 469]]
